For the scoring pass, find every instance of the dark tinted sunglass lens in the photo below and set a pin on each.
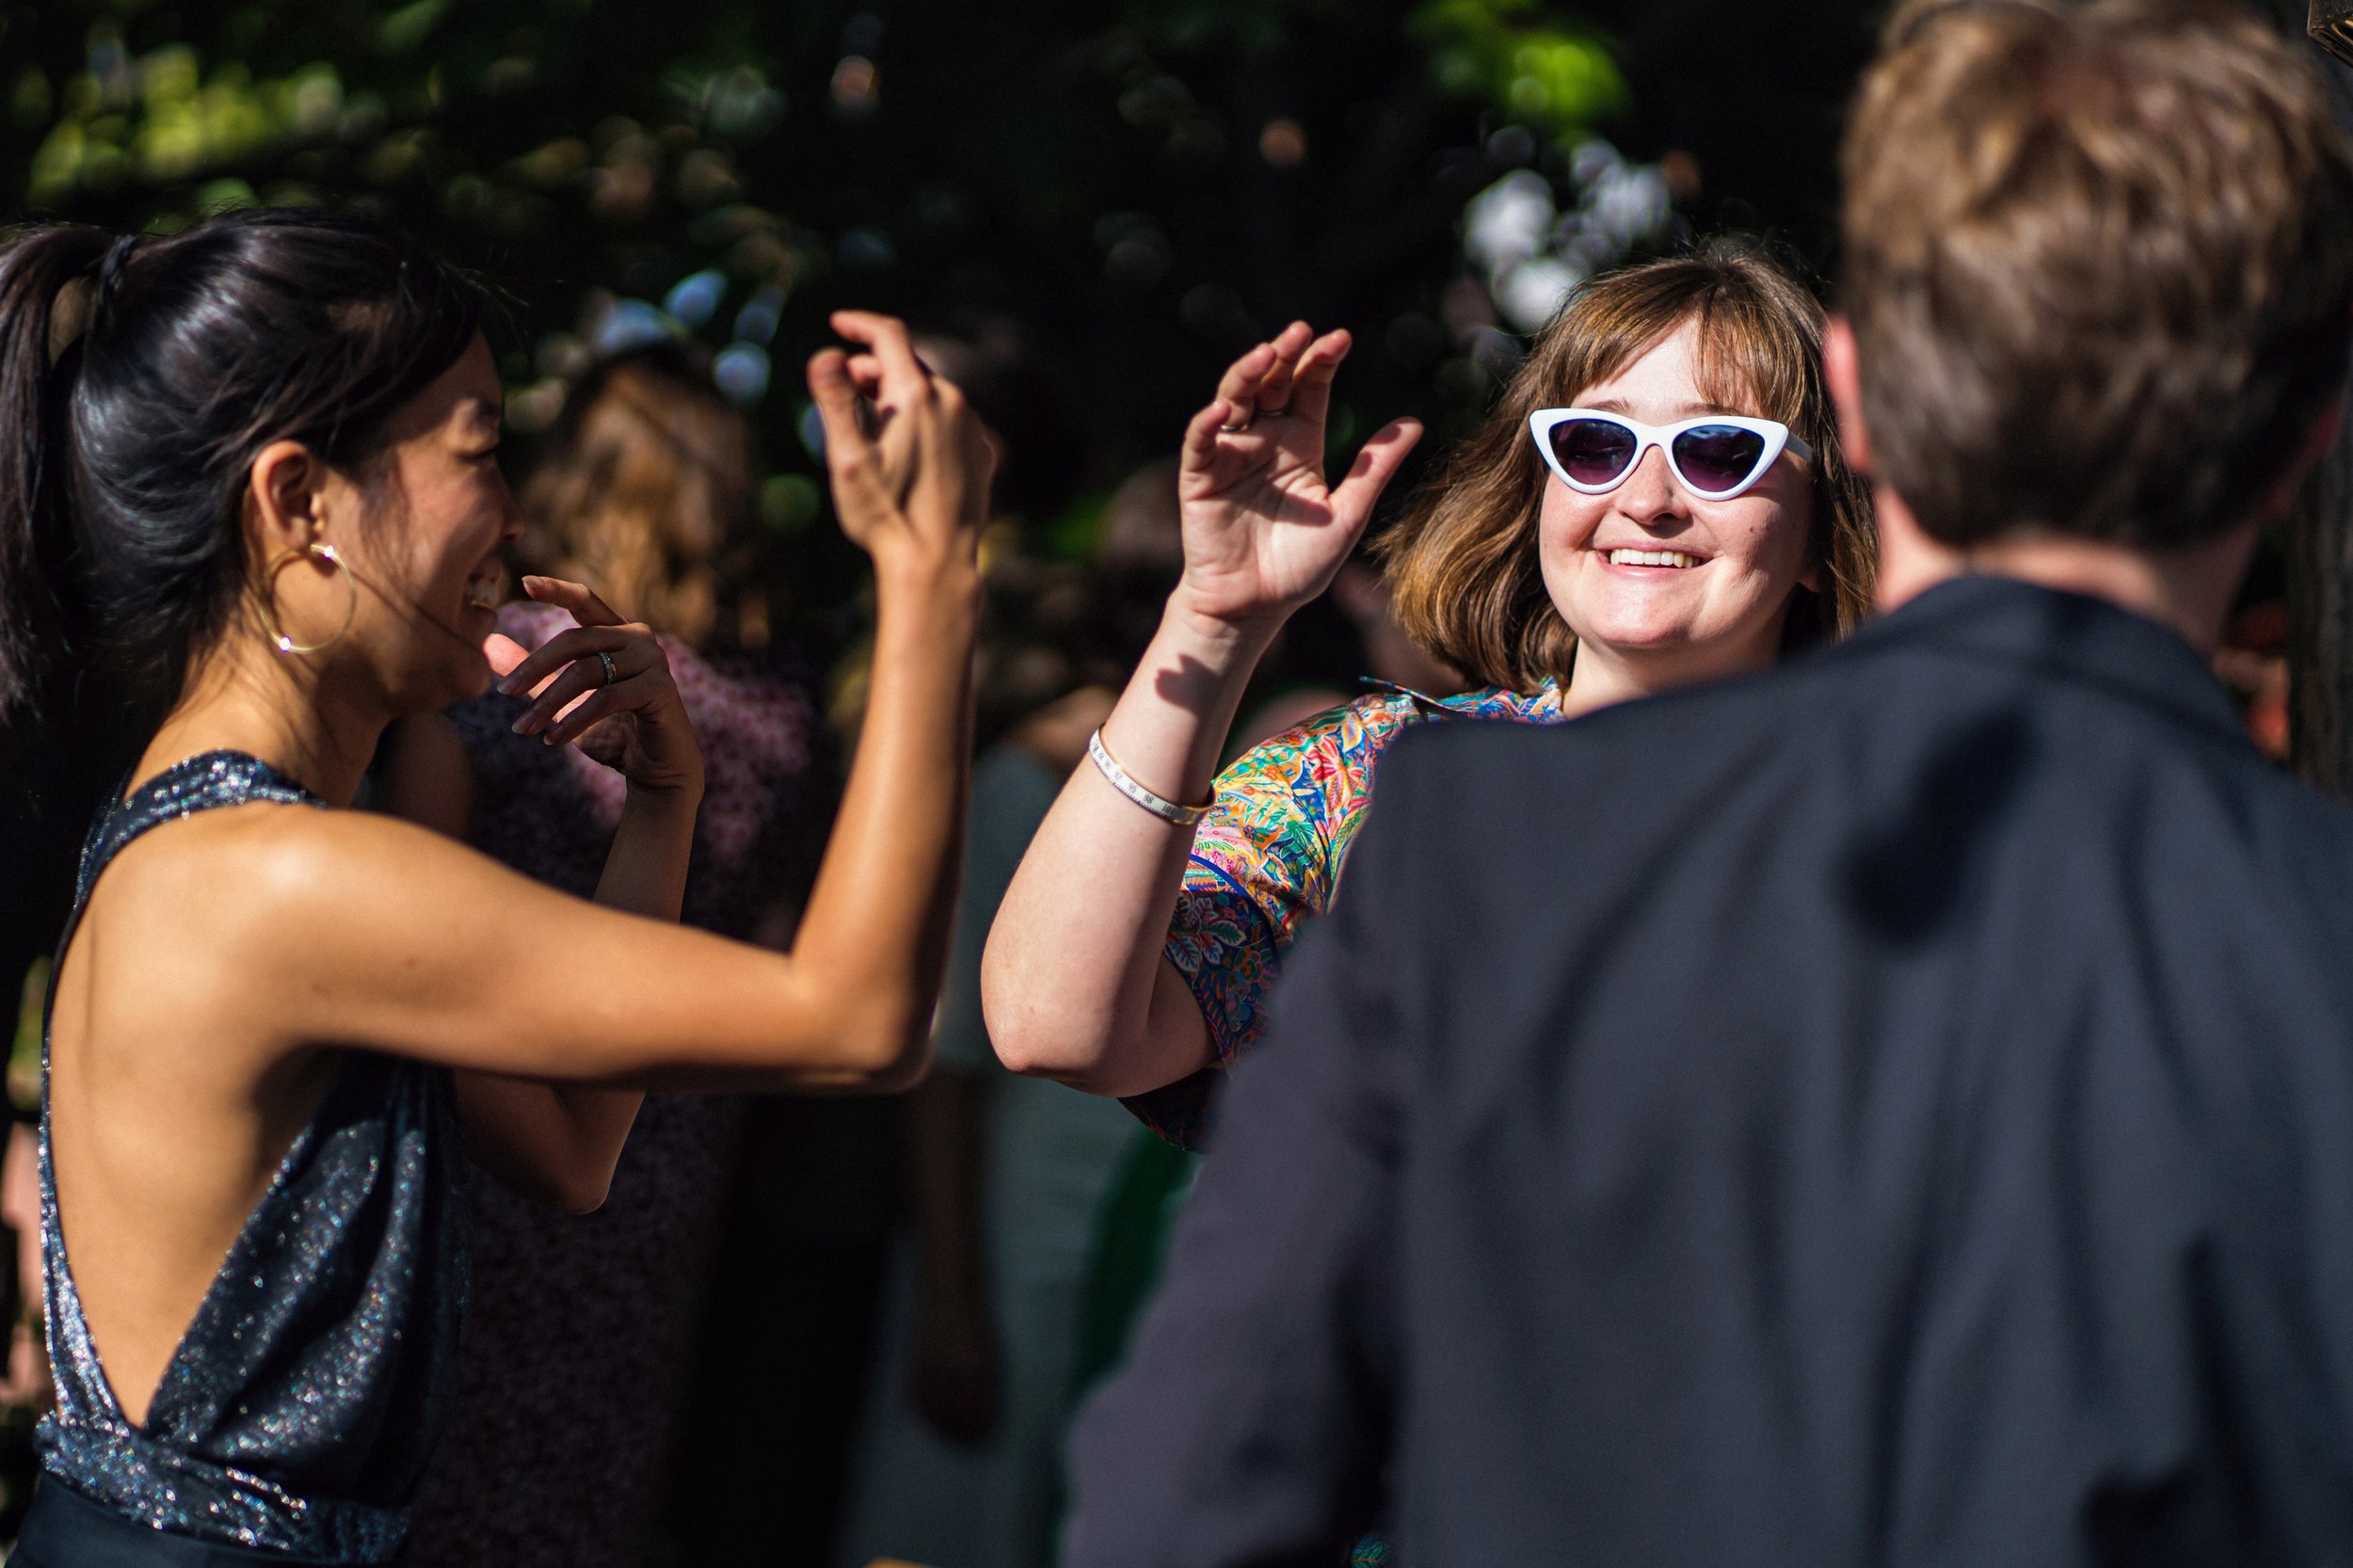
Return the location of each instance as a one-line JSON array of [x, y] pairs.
[[1593, 451], [1717, 457]]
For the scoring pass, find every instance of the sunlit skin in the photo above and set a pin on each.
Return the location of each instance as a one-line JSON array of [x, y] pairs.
[[226, 960], [1643, 629], [458, 512], [1074, 980]]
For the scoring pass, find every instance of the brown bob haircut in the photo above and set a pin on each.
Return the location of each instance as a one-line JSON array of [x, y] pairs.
[[2096, 260], [1462, 562]]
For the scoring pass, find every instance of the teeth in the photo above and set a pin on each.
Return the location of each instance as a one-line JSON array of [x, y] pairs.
[[482, 594], [1652, 558]]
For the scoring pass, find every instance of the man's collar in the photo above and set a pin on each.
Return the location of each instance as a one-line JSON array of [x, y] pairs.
[[2071, 636]]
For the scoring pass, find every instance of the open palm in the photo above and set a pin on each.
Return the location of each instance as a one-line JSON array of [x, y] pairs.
[[1264, 531]]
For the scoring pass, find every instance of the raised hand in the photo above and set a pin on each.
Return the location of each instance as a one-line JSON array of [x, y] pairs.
[[918, 481], [1263, 532], [631, 720]]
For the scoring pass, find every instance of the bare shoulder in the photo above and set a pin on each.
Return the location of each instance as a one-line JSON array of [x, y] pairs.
[[242, 888], [269, 855]]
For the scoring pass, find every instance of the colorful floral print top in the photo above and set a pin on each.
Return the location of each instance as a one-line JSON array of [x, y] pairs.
[[1268, 857]]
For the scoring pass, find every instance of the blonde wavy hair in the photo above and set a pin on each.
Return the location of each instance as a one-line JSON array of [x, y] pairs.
[[646, 484]]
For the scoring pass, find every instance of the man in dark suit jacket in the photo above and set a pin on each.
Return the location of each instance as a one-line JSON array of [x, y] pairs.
[[1897, 1109]]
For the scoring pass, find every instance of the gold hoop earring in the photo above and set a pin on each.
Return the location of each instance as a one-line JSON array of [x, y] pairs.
[[269, 578]]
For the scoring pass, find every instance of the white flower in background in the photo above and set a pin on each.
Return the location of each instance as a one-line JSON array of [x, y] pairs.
[[1506, 223], [1629, 205], [1529, 294], [1532, 254]]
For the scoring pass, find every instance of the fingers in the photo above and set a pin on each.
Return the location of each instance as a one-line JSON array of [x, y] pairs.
[[622, 697], [504, 653], [1274, 388], [1311, 383], [1200, 449], [1375, 466], [584, 642], [849, 451], [581, 600], [582, 680], [902, 374], [641, 662], [1240, 387]]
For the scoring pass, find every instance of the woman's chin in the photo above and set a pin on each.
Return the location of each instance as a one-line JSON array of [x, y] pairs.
[[477, 621], [1635, 636]]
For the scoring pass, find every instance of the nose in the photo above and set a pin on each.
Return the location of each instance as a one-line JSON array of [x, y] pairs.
[[511, 519], [1650, 496]]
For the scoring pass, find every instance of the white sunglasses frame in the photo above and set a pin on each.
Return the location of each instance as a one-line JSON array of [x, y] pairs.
[[1777, 437]]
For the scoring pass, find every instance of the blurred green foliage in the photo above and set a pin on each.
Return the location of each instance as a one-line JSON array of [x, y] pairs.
[[1103, 201]]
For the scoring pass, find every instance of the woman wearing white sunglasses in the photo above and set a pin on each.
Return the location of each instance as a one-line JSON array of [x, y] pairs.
[[1657, 500]]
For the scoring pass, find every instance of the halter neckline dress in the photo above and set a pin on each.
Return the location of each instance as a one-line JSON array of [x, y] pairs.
[[296, 1415]]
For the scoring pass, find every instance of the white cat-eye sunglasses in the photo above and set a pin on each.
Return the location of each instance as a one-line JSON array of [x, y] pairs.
[[1716, 456]]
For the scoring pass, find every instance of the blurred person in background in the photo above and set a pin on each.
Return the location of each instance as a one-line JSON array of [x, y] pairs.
[[958, 1461], [813, 1296], [1660, 499], [252, 466], [959, 1458], [579, 1330]]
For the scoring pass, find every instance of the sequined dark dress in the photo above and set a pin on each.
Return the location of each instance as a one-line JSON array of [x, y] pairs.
[[296, 1415]]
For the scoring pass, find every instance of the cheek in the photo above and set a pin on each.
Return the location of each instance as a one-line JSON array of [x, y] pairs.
[[1566, 524], [454, 524], [1768, 535]]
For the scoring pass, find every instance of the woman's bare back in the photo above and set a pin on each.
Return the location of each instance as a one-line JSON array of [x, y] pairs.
[[172, 1102]]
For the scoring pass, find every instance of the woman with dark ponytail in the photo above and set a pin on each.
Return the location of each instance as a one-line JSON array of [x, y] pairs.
[[247, 473]]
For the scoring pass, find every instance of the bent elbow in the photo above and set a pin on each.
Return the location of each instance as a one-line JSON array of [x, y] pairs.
[[1033, 1052], [886, 1050], [583, 1196], [904, 1074], [1025, 1040], [569, 1190]]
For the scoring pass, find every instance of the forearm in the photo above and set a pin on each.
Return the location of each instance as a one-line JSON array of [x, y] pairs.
[[1074, 959], [644, 872], [875, 937]]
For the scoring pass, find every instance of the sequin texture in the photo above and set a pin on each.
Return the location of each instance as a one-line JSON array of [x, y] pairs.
[[301, 1405]]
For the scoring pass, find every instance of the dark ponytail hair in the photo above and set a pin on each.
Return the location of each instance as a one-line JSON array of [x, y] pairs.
[[124, 450]]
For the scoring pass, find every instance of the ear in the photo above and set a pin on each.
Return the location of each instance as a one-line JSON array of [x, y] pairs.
[[1842, 366], [284, 497]]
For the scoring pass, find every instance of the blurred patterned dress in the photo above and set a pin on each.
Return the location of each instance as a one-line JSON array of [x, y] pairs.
[[1267, 858], [574, 1360]]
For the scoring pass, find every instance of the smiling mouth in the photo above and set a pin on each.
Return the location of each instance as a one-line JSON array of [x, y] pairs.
[[1653, 558]]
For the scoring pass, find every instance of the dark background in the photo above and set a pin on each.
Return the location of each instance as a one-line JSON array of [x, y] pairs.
[[1088, 190]]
